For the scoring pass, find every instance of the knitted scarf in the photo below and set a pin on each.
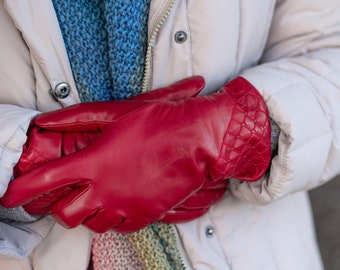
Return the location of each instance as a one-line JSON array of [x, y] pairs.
[[153, 248], [106, 44]]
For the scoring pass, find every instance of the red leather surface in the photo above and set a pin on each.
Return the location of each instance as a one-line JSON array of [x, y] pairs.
[[43, 145]]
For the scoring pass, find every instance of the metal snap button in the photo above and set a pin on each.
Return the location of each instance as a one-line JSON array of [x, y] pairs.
[[180, 37], [61, 90], [209, 231]]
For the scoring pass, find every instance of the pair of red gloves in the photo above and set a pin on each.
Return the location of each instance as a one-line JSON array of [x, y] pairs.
[[164, 155]]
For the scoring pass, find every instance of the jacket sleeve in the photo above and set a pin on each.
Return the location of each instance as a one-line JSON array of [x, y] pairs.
[[299, 77], [14, 122]]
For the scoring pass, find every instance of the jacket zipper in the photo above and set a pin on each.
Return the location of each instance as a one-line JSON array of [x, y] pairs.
[[155, 30], [182, 254]]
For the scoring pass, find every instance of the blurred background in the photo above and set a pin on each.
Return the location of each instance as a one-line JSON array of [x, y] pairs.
[[326, 208]]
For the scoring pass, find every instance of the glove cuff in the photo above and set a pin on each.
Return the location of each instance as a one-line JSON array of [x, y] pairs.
[[246, 150]]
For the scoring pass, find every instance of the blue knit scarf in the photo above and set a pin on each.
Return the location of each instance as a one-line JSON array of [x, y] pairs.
[[106, 44]]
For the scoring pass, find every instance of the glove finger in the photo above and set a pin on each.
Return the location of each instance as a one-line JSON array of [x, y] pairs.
[[41, 146], [82, 117], [183, 215], [130, 226], [216, 184], [207, 195], [202, 198], [94, 116], [43, 204], [74, 209], [197, 204], [54, 175], [100, 223], [73, 141], [186, 88]]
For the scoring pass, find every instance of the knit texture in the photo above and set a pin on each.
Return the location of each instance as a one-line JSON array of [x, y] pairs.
[[112, 250], [152, 248], [157, 247], [106, 43]]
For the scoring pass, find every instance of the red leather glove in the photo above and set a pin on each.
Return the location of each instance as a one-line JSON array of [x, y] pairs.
[[44, 145], [151, 160]]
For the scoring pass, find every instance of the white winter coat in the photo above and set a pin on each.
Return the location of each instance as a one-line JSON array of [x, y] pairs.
[[288, 49]]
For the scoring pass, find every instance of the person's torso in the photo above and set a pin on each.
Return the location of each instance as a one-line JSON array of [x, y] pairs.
[[215, 39]]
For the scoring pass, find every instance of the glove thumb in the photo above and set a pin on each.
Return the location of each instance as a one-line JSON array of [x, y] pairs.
[[95, 116]]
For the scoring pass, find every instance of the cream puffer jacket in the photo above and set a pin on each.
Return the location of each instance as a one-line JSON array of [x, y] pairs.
[[288, 49]]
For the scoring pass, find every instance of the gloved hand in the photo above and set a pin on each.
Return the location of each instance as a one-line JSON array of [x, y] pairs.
[[159, 155], [44, 145]]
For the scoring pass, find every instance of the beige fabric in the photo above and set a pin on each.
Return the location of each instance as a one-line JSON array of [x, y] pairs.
[[297, 71], [62, 249]]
